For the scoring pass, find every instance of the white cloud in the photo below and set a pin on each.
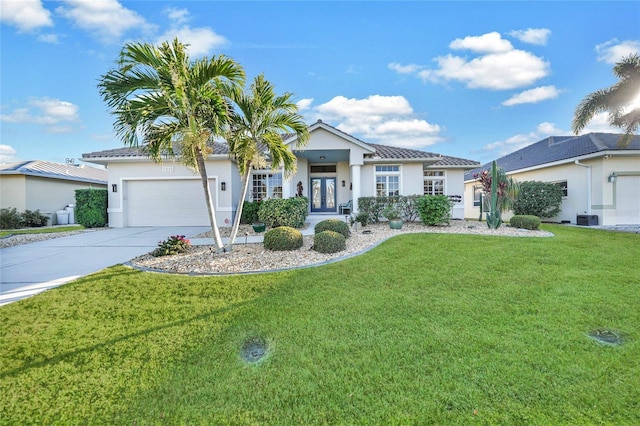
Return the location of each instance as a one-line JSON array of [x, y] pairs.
[[405, 69], [495, 71], [614, 50], [26, 15], [107, 20], [497, 65], [304, 104], [48, 38], [514, 143], [486, 43], [179, 16], [54, 114], [201, 41], [533, 96], [388, 120], [536, 36], [7, 154]]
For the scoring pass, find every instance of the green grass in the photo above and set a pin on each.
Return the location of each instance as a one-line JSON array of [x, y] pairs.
[[46, 230], [430, 328]]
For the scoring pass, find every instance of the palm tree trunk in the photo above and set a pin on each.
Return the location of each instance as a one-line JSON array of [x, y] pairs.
[[236, 221], [207, 193]]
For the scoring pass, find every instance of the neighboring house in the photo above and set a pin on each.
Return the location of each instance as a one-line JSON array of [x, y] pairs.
[[598, 177], [333, 168], [45, 186]]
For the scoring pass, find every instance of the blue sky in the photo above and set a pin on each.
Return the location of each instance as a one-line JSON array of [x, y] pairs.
[[474, 80]]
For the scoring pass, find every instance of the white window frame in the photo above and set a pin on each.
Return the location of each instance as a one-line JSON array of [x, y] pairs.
[[433, 176], [271, 190], [386, 171], [564, 185]]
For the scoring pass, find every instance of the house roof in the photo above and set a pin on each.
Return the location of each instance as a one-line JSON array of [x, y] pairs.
[[375, 152], [136, 153], [559, 148], [46, 169]]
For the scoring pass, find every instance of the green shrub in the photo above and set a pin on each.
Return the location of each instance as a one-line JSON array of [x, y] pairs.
[[372, 207], [276, 212], [10, 218], [34, 218], [283, 238], [537, 198], [175, 244], [250, 212], [525, 222], [335, 225], [434, 209], [91, 207], [329, 242]]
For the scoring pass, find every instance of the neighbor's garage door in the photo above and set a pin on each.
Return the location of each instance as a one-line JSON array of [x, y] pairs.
[[166, 203], [628, 200]]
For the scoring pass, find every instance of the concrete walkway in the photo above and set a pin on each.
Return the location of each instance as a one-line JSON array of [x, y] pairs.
[[29, 269]]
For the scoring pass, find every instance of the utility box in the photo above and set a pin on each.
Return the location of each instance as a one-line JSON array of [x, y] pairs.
[[587, 220]]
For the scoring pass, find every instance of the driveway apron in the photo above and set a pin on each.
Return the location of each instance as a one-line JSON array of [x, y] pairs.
[[32, 268]]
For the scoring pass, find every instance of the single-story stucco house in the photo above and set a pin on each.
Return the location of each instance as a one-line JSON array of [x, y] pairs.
[[46, 186], [333, 168], [600, 180]]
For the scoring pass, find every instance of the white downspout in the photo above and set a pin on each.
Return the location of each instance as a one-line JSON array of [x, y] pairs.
[[578, 163]]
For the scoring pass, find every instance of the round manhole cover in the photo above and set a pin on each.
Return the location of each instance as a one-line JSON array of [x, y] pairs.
[[606, 336], [254, 349]]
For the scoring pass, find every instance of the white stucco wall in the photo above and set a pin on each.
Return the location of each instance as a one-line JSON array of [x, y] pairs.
[[602, 204]]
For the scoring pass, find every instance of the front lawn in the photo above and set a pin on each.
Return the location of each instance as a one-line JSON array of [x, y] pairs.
[[426, 328], [44, 230]]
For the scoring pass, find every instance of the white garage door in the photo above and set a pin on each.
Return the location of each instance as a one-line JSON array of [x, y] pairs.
[[628, 200], [166, 203]]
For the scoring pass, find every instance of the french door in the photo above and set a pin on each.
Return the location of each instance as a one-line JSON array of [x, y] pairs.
[[323, 194]]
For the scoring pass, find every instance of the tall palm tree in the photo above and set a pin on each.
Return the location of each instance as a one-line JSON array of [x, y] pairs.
[[257, 125], [170, 106], [617, 100]]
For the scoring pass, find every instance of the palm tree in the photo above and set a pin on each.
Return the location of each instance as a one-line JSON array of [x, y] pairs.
[[617, 100], [257, 125], [171, 107]]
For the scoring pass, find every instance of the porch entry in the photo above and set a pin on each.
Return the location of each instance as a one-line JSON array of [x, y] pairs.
[[323, 194]]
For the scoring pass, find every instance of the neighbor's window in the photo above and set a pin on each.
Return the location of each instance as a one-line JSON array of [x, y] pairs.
[[387, 181], [266, 185], [477, 194], [563, 185], [434, 182]]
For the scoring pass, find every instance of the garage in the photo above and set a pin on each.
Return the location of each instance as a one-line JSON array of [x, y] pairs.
[[168, 202]]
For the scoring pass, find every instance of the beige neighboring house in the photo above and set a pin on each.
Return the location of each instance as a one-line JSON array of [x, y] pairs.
[[600, 180], [46, 186], [333, 168]]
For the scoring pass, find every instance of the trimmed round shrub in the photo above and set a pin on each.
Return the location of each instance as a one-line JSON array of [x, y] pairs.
[[329, 242], [525, 222], [283, 238], [335, 225]]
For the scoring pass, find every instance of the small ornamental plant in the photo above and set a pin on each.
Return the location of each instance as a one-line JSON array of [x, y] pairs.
[[175, 244]]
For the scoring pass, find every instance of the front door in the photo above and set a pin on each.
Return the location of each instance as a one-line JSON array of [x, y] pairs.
[[323, 194]]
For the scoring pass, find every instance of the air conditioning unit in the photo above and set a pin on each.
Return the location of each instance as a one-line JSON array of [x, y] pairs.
[[587, 220]]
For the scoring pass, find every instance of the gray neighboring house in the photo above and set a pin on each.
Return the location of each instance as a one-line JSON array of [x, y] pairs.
[[600, 180], [332, 169], [46, 186]]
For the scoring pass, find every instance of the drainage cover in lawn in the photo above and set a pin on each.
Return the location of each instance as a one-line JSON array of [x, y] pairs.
[[254, 349], [606, 336]]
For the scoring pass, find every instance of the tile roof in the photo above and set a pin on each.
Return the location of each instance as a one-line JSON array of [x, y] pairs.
[[382, 152], [558, 148], [46, 169], [218, 149]]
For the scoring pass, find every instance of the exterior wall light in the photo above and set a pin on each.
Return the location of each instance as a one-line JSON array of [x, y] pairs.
[[114, 187], [612, 177], [223, 186]]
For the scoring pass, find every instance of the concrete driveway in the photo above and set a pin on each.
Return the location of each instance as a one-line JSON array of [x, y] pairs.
[[29, 269]]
